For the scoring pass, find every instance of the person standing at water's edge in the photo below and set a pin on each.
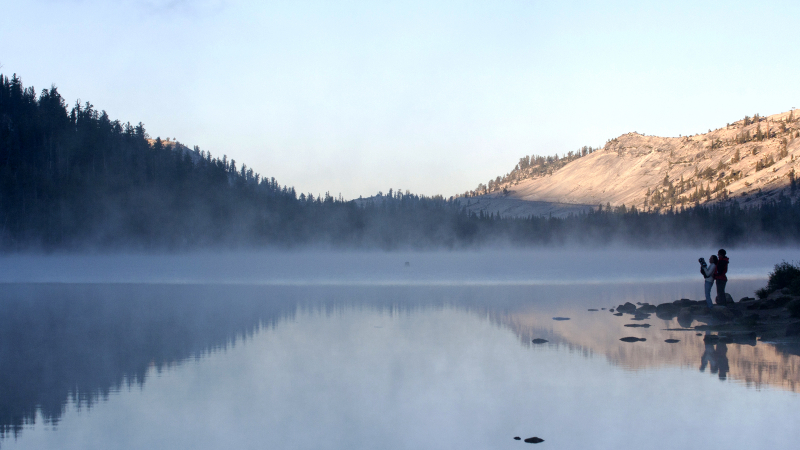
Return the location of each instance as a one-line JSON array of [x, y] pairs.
[[708, 272], [720, 276]]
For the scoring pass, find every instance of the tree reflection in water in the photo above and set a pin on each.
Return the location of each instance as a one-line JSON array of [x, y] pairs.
[[82, 342]]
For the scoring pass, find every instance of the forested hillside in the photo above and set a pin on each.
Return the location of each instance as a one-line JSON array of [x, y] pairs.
[[72, 178]]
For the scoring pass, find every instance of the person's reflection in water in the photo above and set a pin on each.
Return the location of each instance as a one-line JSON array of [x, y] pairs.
[[716, 358], [709, 359], [721, 353]]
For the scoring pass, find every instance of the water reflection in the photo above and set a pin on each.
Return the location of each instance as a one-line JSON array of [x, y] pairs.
[[716, 358], [82, 342], [79, 343]]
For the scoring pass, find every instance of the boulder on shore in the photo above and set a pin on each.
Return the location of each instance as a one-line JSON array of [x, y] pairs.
[[728, 299], [793, 329], [721, 313]]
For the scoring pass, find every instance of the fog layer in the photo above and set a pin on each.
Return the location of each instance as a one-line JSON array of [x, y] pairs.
[[468, 267]]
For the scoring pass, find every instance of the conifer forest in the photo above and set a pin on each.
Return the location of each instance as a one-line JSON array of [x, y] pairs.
[[73, 178]]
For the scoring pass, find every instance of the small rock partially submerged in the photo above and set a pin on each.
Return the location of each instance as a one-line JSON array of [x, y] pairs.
[[632, 339], [628, 307], [592, 309], [617, 314], [685, 317], [534, 440], [516, 438], [671, 341], [540, 341], [646, 308], [560, 318], [638, 325]]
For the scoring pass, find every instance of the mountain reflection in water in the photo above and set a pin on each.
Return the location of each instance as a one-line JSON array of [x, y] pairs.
[[62, 343]]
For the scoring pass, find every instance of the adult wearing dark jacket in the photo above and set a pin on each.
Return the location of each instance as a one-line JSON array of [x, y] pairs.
[[720, 276], [708, 272]]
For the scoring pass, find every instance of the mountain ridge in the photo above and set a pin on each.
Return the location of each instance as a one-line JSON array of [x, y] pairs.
[[749, 161]]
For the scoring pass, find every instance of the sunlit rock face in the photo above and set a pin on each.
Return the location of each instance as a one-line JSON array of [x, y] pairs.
[[754, 163], [757, 365]]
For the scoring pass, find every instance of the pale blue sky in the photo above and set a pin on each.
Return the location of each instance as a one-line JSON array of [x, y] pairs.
[[353, 97]]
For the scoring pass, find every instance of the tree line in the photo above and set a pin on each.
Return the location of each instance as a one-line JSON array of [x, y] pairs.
[[72, 178]]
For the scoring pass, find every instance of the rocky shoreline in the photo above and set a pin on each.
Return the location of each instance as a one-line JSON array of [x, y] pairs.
[[744, 322]]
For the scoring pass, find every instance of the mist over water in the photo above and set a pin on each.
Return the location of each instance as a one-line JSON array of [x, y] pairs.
[[541, 266], [358, 350]]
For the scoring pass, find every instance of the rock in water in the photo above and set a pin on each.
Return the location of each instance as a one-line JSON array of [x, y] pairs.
[[685, 317], [632, 339], [516, 438], [667, 310], [534, 440], [646, 308], [617, 314], [638, 325], [560, 318], [628, 307], [540, 341], [671, 341], [592, 309]]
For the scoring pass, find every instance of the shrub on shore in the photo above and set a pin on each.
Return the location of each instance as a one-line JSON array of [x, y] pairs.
[[785, 275], [794, 307]]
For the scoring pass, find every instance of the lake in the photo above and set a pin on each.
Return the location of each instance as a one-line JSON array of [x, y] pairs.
[[400, 350]]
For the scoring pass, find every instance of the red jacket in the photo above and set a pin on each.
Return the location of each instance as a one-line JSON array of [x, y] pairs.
[[722, 269]]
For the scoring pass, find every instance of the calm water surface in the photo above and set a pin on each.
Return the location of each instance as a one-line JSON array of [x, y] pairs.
[[433, 355]]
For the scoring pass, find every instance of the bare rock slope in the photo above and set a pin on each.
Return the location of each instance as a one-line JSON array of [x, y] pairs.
[[749, 161]]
